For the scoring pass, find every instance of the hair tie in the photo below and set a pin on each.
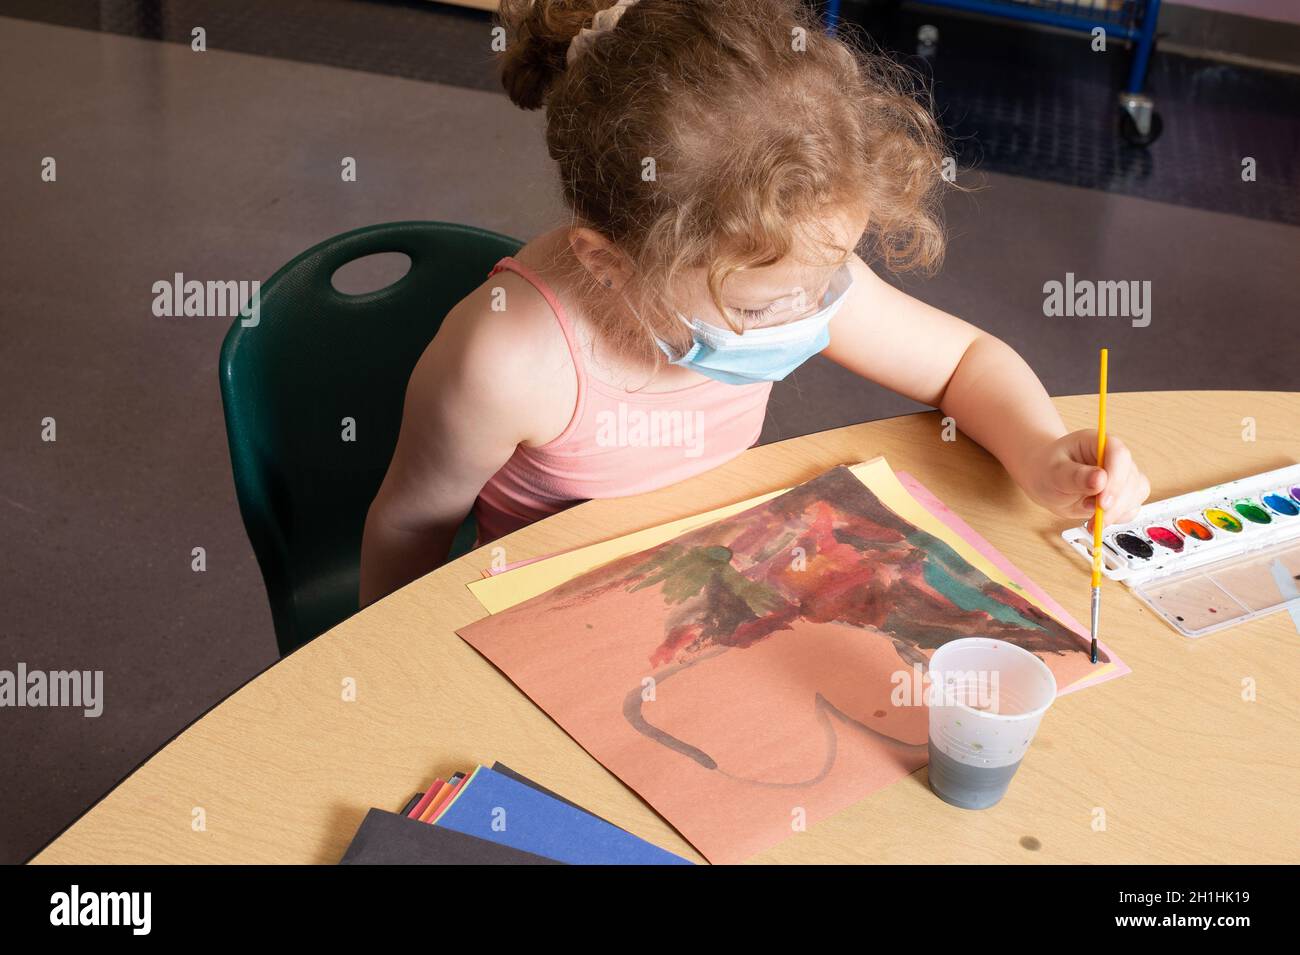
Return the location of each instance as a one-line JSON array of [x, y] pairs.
[[604, 21]]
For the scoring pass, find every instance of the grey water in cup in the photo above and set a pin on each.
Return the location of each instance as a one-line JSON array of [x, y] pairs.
[[968, 787]]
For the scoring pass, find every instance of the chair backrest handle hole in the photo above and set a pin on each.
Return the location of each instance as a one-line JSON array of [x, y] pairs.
[[370, 273]]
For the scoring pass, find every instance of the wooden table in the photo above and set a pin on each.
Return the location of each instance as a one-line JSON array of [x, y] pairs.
[[1170, 764]]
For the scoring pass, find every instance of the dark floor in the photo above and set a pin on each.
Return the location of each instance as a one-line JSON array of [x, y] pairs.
[[1043, 105], [1015, 101], [224, 165]]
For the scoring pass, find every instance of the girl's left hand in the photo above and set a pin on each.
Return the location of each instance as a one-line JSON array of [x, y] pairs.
[[1063, 477]]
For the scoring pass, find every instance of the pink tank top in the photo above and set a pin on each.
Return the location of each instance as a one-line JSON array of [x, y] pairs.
[[618, 442]]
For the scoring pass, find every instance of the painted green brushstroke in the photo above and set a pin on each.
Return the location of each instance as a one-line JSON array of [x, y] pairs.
[[941, 573], [686, 572]]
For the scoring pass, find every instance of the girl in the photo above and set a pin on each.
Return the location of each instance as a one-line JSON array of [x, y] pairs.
[[722, 160]]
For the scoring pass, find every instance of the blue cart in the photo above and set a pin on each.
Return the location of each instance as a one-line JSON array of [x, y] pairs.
[[1131, 20]]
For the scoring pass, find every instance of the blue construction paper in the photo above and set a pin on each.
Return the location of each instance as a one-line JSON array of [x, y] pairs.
[[534, 822]]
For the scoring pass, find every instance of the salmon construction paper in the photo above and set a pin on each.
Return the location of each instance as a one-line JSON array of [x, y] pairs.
[[511, 585], [757, 671]]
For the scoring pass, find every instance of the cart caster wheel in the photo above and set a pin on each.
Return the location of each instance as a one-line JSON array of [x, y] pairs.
[[927, 41], [1133, 136], [1139, 123]]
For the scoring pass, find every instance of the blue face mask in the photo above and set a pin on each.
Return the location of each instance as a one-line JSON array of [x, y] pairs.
[[762, 354]]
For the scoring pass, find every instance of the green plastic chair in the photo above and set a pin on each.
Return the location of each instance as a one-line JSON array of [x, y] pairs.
[[315, 357]]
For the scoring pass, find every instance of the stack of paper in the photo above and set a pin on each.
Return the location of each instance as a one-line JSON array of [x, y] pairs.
[[496, 817]]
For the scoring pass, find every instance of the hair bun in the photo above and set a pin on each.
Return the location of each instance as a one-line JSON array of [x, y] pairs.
[[538, 33]]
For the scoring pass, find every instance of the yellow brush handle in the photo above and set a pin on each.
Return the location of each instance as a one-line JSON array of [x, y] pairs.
[[1098, 515]]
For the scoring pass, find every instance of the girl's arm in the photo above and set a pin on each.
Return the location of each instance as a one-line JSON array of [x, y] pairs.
[[474, 396], [885, 335]]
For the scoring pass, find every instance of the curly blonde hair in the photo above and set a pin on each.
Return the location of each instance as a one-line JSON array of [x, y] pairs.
[[755, 126]]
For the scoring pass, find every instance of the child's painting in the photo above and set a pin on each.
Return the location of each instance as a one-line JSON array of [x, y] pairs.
[[764, 671]]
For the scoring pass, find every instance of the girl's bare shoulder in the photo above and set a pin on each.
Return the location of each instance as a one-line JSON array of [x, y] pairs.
[[503, 345]]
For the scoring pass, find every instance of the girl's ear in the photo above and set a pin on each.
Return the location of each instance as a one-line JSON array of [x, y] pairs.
[[599, 256]]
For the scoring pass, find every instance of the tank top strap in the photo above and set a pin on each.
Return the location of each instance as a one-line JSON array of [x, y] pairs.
[[510, 263], [561, 317]]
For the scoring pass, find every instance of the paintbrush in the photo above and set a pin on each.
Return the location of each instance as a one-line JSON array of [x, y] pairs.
[[1098, 517]]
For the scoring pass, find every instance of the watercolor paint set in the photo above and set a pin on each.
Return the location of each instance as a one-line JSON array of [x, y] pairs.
[[1211, 558]]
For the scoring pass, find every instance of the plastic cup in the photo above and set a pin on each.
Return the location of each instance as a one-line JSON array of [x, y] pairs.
[[986, 700]]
